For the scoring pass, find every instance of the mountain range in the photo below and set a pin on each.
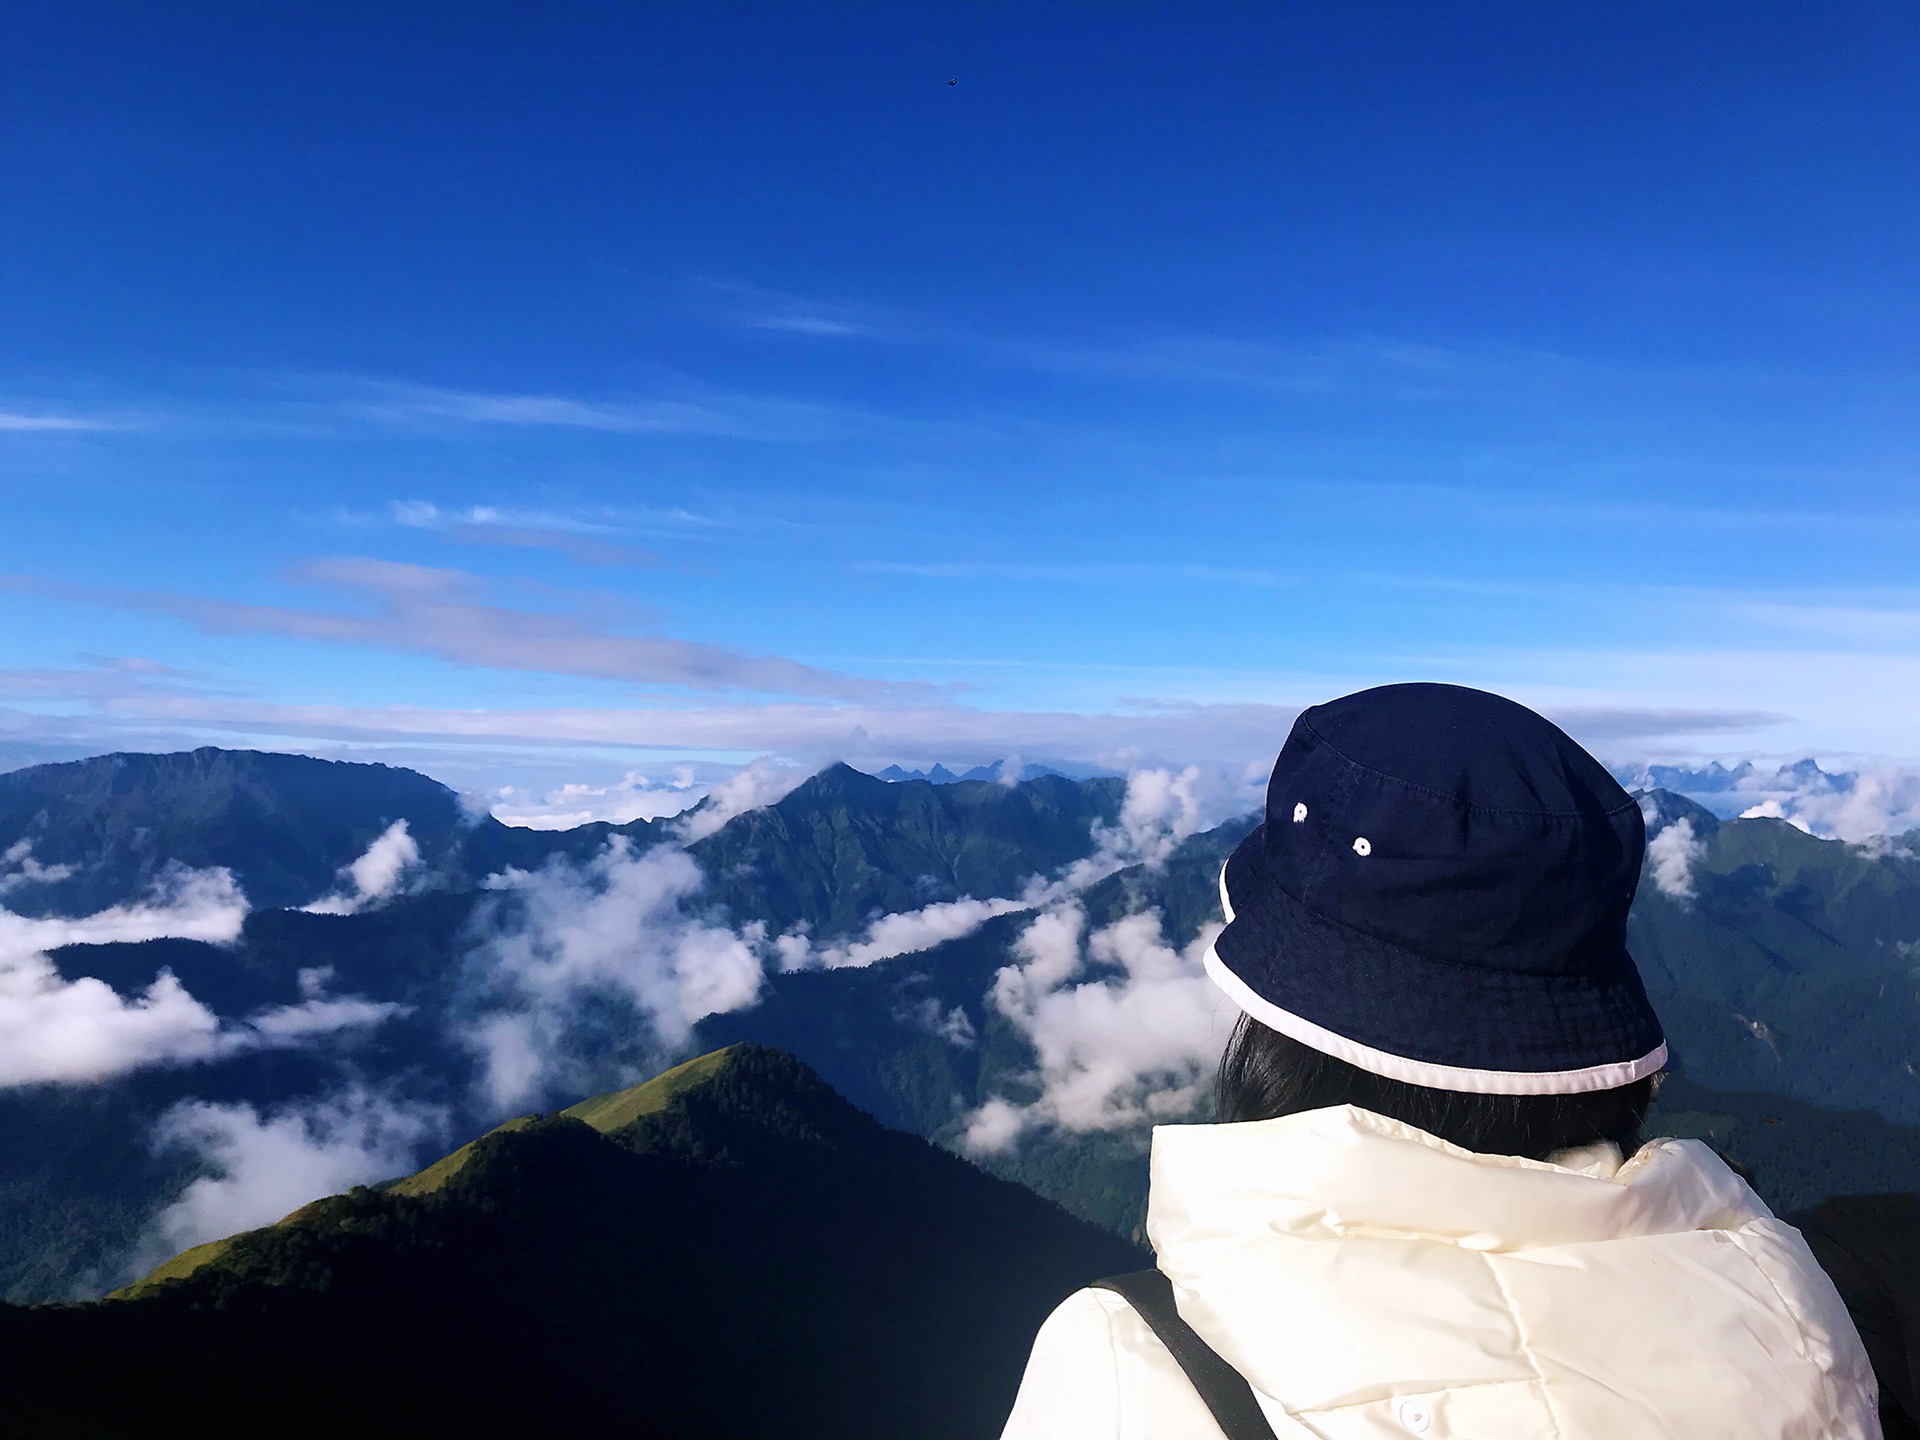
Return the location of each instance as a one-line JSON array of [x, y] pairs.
[[728, 1250], [1783, 965]]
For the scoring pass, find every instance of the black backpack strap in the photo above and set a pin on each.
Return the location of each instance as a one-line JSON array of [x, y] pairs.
[[1224, 1389]]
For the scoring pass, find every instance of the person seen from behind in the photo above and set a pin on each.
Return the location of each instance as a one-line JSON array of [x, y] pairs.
[[1427, 1209]]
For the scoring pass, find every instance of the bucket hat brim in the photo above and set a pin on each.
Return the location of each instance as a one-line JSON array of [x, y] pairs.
[[1357, 997]]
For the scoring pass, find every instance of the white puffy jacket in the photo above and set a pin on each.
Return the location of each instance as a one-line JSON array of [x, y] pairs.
[[1370, 1280]]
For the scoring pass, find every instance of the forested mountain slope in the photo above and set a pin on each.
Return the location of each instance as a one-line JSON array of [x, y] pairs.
[[729, 1250], [1783, 965], [284, 825], [81, 1173], [845, 846]]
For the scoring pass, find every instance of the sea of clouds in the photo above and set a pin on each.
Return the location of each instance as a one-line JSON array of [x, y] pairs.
[[1866, 805], [81, 1030], [586, 973]]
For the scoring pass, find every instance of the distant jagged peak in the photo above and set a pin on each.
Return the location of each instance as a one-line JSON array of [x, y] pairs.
[[1003, 771], [1865, 804]]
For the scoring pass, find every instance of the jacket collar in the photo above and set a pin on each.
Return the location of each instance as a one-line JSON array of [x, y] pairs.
[[1344, 1171]]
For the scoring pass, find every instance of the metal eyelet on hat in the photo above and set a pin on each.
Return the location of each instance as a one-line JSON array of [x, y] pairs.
[[1362, 846], [1416, 1416], [1299, 812]]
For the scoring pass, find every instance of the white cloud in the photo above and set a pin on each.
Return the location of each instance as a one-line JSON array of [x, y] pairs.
[[868, 735], [765, 782], [634, 797], [1128, 1045], [743, 416], [376, 873], [901, 933], [18, 868], [266, 1164], [1860, 806], [583, 541], [618, 926], [59, 1031], [183, 904], [994, 1126], [1161, 809], [562, 938], [74, 1032], [374, 876], [1128, 576], [318, 1013], [952, 1025], [1672, 853], [18, 422]]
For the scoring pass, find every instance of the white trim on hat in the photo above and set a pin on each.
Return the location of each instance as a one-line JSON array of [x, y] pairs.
[[1421, 1072]]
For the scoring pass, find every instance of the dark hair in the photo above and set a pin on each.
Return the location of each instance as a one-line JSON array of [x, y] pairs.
[[1265, 1074]]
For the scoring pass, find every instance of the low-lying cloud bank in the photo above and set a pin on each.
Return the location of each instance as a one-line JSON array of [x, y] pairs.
[[374, 877], [18, 868], [1126, 1028], [902, 933], [586, 975], [1860, 806], [632, 797], [765, 782], [60, 1031], [1161, 809], [263, 1164], [581, 971], [1672, 852], [577, 975]]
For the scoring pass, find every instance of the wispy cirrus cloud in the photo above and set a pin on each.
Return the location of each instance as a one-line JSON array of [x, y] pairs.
[[758, 308], [1600, 724], [1091, 574], [471, 407], [581, 541], [24, 422], [1379, 365], [633, 797], [808, 732], [918, 734], [694, 411], [1407, 367], [442, 613]]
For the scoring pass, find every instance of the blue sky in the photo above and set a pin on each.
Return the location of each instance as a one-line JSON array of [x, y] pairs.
[[541, 392]]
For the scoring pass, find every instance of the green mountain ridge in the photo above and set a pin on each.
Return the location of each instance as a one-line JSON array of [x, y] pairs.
[[845, 847], [284, 825], [1787, 971], [609, 1114], [729, 1250], [78, 1176], [839, 849]]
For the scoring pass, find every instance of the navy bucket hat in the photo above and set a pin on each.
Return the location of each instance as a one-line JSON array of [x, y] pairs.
[[1439, 895]]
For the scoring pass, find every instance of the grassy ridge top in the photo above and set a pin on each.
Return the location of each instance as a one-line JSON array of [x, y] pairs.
[[606, 1113], [447, 1166], [619, 1109]]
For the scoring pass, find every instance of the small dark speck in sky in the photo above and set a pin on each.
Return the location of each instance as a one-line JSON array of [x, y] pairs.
[[954, 81]]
